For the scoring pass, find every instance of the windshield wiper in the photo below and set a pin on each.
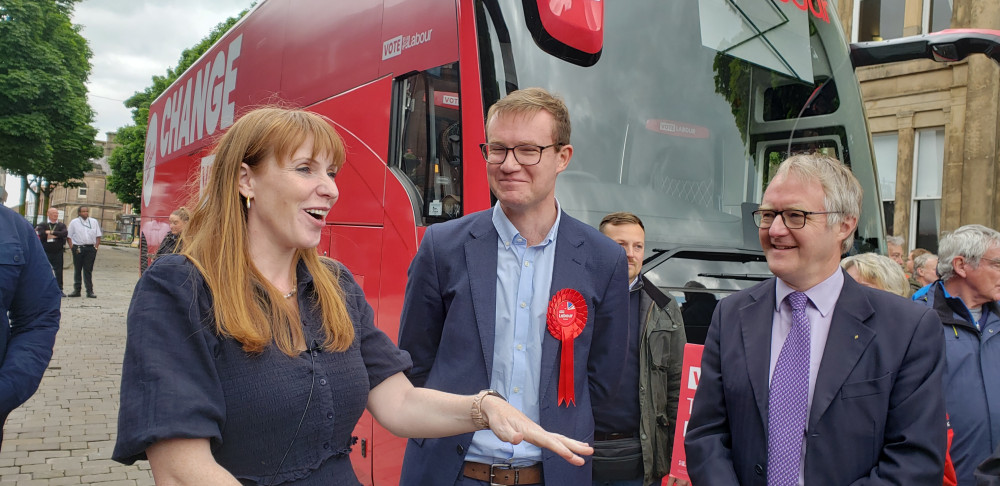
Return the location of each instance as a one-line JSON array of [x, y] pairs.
[[754, 277]]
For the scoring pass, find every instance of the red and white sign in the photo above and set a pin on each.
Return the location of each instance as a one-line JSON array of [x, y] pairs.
[[446, 99], [691, 374], [677, 129]]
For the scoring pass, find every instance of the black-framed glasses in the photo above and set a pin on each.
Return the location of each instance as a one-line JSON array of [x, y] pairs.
[[793, 218], [527, 154]]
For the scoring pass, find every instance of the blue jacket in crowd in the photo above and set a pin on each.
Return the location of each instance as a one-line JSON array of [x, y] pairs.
[[972, 378], [29, 311]]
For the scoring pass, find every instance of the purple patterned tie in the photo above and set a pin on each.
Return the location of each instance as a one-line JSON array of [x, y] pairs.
[[788, 400]]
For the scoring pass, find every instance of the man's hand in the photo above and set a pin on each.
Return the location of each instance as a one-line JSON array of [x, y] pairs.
[[672, 481]]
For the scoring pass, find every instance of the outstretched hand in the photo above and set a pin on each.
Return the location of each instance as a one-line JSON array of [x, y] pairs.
[[510, 425]]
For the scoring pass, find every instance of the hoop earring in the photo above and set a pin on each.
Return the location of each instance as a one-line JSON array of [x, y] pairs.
[[248, 203]]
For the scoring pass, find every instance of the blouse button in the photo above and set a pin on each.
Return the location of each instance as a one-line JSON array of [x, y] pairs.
[[329, 415], [326, 445], [322, 381]]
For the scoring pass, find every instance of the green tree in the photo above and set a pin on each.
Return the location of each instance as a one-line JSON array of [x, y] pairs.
[[126, 164], [45, 121], [126, 160]]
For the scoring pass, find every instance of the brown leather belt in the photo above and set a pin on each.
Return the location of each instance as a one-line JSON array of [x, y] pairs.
[[503, 474]]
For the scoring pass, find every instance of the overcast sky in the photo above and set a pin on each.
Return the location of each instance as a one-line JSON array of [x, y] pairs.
[[133, 40]]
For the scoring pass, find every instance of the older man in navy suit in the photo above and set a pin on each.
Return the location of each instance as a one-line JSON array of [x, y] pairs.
[[521, 301], [809, 377]]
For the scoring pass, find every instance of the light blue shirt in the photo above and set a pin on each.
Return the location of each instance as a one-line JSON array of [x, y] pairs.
[[524, 279]]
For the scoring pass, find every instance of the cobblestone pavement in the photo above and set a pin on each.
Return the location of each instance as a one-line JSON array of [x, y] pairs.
[[65, 433]]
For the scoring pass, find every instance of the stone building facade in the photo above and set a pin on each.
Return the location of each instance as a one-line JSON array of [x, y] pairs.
[[104, 205], [934, 125]]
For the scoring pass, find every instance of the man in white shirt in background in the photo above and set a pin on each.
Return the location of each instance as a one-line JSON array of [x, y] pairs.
[[84, 239]]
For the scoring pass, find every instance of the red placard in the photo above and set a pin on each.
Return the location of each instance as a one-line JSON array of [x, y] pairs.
[[689, 383]]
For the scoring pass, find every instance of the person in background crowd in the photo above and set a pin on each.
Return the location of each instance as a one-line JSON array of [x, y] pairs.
[[635, 436], [52, 234], [697, 311], [878, 272], [894, 246], [522, 299], [810, 377], [965, 299], [925, 269], [84, 238], [29, 312], [178, 223], [250, 358], [914, 253]]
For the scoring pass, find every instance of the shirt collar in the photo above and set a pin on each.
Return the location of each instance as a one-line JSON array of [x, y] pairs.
[[990, 306], [823, 295], [508, 232]]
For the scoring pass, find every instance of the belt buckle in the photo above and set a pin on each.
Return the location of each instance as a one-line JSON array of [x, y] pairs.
[[494, 467]]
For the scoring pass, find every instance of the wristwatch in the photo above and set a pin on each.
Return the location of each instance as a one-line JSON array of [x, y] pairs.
[[478, 419]]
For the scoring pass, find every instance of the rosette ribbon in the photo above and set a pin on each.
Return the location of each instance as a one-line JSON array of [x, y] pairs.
[[565, 319]]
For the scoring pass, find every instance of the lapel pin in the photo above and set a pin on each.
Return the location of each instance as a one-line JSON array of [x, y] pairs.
[[855, 336]]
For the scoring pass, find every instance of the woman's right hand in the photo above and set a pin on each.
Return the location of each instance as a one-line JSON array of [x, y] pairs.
[[510, 425]]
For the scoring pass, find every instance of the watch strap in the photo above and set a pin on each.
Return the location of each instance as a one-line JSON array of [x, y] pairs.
[[478, 418]]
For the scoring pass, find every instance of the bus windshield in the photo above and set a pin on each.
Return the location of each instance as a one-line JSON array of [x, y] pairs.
[[684, 117]]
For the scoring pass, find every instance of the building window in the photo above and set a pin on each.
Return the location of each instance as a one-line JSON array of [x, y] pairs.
[[928, 169], [886, 147], [81, 192], [937, 15], [876, 20]]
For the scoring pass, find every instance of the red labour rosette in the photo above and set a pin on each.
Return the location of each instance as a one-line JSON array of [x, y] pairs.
[[566, 318]]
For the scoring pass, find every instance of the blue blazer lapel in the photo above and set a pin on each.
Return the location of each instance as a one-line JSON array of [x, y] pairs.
[[481, 261], [848, 339], [567, 272], [755, 325]]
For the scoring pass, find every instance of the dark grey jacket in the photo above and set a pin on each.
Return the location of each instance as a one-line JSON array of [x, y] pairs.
[[661, 351]]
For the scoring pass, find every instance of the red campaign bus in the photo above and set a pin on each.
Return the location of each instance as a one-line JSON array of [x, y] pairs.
[[681, 111]]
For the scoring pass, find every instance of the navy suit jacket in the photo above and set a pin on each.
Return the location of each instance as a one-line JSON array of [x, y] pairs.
[[877, 415], [448, 324], [29, 312]]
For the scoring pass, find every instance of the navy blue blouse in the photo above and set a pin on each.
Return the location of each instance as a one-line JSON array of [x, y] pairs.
[[180, 379]]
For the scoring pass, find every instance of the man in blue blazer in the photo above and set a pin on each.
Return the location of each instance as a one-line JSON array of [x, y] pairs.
[[29, 312], [873, 410], [487, 292]]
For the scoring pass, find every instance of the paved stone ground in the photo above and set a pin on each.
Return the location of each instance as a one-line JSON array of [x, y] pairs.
[[65, 433]]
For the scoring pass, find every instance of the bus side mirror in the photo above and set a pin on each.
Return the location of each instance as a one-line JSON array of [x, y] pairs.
[[949, 45], [572, 30]]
